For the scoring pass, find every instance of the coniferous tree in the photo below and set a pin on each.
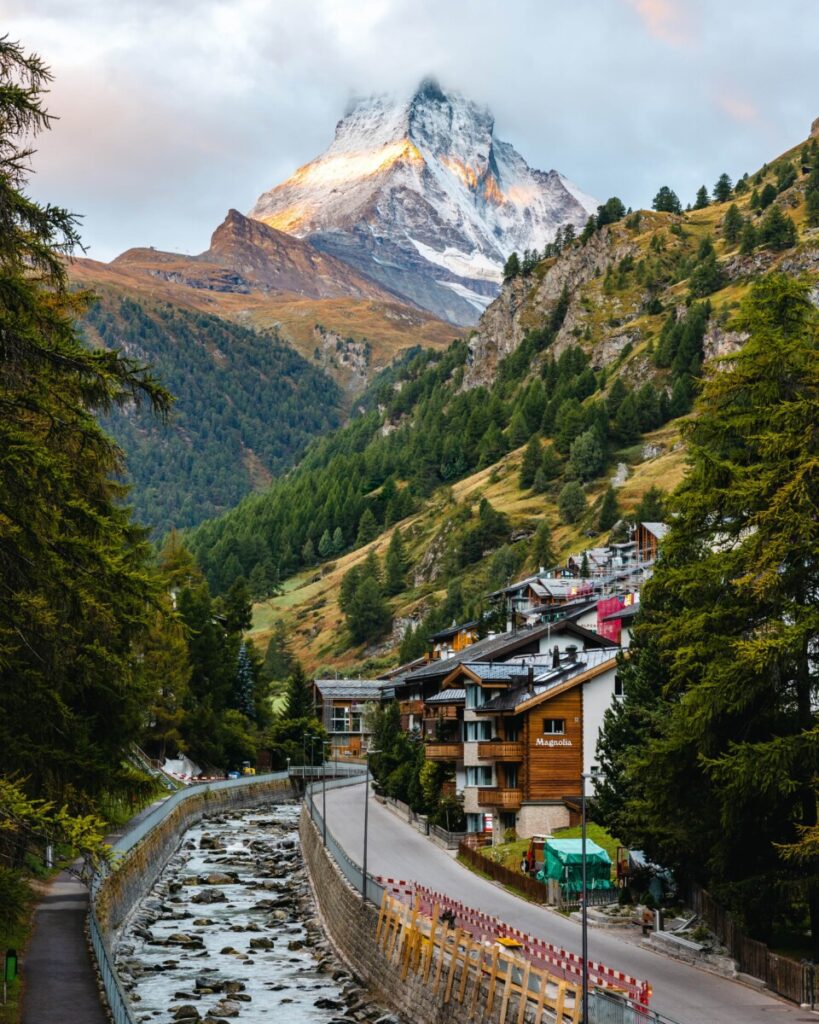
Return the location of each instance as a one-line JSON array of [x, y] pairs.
[[245, 683], [587, 457], [395, 564], [543, 552], [298, 702], [651, 508], [278, 660], [767, 196], [666, 201], [571, 502], [701, 200], [78, 596], [723, 189], [338, 541], [722, 779], [367, 528], [812, 198], [609, 512], [776, 230], [512, 267], [530, 463], [748, 239], [325, 547], [732, 224]]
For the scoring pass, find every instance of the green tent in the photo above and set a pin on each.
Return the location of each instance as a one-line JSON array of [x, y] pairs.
[[563, 862]]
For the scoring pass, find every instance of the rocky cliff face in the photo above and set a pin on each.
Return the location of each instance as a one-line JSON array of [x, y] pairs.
[[422, 197], [246, 255], [526, 302]]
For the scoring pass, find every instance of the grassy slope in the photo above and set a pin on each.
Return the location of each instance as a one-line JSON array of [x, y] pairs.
[[309, 603], [390, 328]]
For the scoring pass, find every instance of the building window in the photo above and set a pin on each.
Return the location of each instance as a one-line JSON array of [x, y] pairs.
[[474, 823], [618, 685], [479, 775], [473, 696], [554, 726], [476, 731]]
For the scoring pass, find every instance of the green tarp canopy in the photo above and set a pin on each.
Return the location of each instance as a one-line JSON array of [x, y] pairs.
[[563, 862]]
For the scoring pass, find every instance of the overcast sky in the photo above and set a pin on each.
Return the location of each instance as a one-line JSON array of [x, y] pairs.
[[173, 111]]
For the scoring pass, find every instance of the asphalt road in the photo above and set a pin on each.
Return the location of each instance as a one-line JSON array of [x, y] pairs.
[[684, 993]]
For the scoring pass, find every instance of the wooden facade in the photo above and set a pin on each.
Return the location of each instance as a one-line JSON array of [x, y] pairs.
[[554, 763]]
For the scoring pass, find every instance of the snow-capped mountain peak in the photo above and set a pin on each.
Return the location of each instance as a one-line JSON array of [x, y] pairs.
[[420, 195]]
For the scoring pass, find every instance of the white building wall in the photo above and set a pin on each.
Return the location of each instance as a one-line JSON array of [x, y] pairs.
[[598, 695]]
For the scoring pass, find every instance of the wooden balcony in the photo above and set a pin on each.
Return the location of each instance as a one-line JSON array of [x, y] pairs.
[[411, 707], [446, 713], [501, 750], [436, 751], [506, 799]]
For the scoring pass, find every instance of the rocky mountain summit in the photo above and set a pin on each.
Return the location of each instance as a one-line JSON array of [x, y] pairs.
[[422, 197]]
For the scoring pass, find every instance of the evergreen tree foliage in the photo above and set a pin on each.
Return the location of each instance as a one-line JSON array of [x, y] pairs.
[[812, 197], [711, 763], [666, 201], [588, 456], [530, 463], [338, 541], [651, 508], [732, 224], [395, 564], [367, 528], [571, 502], [610, 212], [748, 239], [369, 617], [701, 199], [245, 683], [325, 545], [78, 596], [543, 552], [776, 230], [278, 660], [512, 266], [767, 196], [298, 697], [723, 189], [609, 511]]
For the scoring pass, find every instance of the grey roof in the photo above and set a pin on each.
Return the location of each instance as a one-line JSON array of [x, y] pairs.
[[658, 529], [548, 680], [628, 612], [451, 696], [354, 688], [454, 629]]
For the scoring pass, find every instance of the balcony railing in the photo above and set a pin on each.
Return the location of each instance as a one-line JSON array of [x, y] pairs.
[[444, 751], [508, 799], [411, 707], [501, 750], [446, 712]]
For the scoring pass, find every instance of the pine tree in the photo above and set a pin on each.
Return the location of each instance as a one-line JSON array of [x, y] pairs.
[[518, 429], [308, 552], [395, 564], [587, 457], [369, 617], [651, 508], [512, 267], [776, 230], [278, 660], [748, 239], [325, 547], [723, 189], [609, 512], [584, 566], [367, 528], [298, 701], [530, 463], [701, 200], [812, 198], [666, 201], [571, 502], [338, 541], [767, 196], [732, 224], [78, 596], [723, 778], [245, 683], [543, 553]]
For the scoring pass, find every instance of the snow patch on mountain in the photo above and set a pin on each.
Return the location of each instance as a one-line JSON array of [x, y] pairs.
[[420, 194]]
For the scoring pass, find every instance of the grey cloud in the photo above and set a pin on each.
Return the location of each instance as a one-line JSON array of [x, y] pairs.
[[173, 111]]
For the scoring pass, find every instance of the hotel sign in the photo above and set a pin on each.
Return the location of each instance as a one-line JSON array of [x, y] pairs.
[[541, 742]]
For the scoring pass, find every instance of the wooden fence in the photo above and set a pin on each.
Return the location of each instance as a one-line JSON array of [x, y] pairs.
[[531, 888], [795, 980], [480, 975]]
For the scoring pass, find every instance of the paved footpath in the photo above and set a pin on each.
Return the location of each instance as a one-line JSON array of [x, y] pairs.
[[59, 976], [684, 993]]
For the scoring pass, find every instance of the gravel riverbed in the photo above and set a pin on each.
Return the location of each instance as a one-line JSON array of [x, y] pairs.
[[229, 932]]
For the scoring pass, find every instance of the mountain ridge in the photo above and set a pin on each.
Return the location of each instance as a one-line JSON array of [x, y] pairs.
[[423, 188]]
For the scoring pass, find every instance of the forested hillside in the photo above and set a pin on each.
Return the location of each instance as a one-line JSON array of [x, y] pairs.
[[554, 402], [245, 406]]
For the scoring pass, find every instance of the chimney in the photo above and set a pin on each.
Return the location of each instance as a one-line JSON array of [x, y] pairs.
[[556, 657], [571, 652]]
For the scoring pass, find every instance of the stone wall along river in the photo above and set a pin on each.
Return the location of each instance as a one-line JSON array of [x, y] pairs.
[[229, 932]]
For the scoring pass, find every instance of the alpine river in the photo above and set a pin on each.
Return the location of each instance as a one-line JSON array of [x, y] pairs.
[[229, 931]]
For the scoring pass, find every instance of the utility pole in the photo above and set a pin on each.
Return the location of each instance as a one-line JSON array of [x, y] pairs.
[[584, 923]]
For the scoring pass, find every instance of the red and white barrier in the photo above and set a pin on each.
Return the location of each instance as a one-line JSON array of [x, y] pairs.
[[558, 961]]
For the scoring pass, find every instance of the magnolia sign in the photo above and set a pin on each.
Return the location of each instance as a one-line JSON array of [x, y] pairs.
[[541, 742]]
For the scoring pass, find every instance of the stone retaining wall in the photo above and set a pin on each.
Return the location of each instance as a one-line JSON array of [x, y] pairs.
[[351, 925], [141, 866]]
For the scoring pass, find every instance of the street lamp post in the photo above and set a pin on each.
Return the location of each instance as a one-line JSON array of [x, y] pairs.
[[366, 808], [323, 793], [584, 923]]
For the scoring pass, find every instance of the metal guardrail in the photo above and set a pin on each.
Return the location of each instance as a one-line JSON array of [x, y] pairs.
[[329, 768], [351, 871], [605, 1008], [114, 993]]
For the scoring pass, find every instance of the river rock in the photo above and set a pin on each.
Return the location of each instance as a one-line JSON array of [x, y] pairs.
[[325, 1003], [218, 878], [227, 1008], [263, 943], [209, 896], [187, 1012]]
